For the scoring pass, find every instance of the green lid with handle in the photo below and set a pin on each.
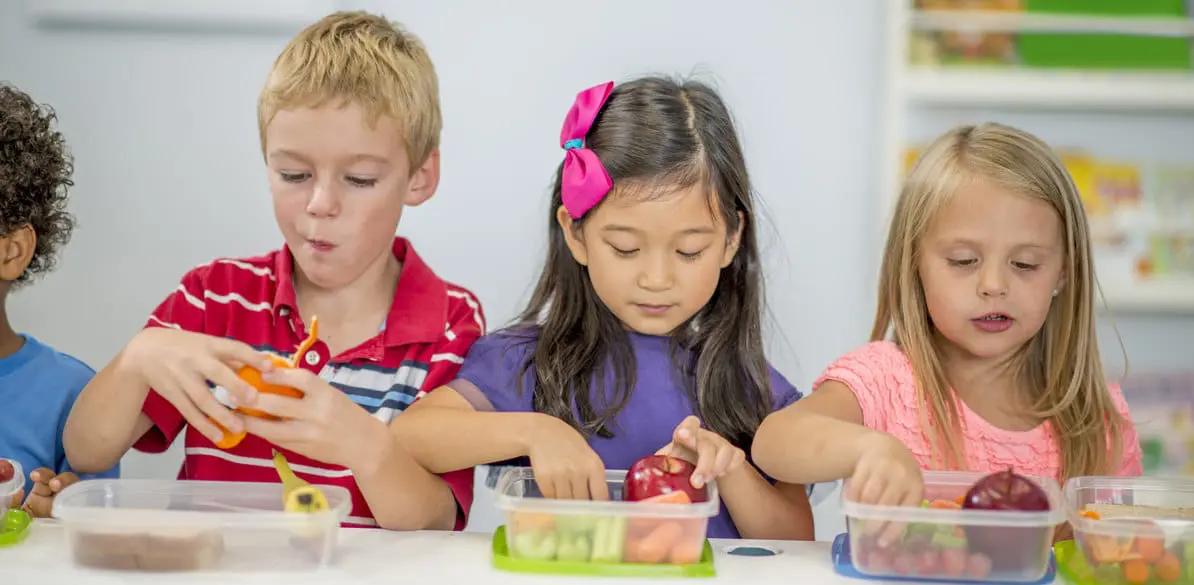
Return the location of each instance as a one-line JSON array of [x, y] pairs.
[[15, 527], [504, 561]]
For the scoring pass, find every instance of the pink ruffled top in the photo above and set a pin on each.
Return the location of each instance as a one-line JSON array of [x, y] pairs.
[[881, 378]]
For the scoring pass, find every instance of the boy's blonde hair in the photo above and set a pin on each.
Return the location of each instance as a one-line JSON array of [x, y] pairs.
[[1063, 359], [356, 57]]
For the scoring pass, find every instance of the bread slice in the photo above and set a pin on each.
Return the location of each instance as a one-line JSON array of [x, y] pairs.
[[1107, 511]]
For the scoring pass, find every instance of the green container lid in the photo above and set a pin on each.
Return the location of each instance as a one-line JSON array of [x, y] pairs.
[[1109, 7], [502, 560], [1103, 51], [15, 527]]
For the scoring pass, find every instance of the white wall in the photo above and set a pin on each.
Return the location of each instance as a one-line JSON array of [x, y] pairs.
[[161, 119]]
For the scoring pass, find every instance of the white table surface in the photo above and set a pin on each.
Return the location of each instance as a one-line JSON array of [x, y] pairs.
[[377, 556]]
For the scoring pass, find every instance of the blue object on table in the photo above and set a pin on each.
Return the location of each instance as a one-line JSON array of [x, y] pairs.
[[843, 567], [751, 551]]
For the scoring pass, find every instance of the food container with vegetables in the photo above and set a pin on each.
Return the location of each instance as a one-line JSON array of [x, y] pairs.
[[14, 523], [1129, 531], [653, 524], [12, 479], [154, 525], [972, 527]]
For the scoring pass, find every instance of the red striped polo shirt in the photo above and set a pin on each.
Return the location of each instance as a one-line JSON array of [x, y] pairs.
[[428, 331]]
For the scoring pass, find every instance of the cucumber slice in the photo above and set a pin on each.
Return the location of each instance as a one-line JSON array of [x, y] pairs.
[[608, 540], [947, 540], [536, 545], [575, 524], [574, 548]]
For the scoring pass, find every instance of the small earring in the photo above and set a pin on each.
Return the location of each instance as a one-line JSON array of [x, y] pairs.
[[1055, 292]]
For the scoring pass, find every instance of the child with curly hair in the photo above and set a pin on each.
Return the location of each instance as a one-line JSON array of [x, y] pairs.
[[38, 385]]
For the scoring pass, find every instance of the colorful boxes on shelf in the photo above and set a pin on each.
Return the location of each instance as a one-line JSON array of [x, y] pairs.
[[1069, 47]]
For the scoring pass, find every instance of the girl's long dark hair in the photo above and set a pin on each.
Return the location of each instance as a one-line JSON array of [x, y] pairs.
[[655, 136]]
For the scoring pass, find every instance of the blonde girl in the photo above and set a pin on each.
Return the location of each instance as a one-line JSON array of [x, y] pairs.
[[983, 354]]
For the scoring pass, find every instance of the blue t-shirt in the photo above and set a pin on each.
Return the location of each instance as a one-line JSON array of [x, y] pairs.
[[657, 404], [38, 386]]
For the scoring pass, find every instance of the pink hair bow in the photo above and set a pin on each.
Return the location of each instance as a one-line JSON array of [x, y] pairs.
[[584, 181]]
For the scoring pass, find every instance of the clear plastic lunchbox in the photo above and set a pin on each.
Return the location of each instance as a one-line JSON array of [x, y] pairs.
[[942, 541], [14, 523], [615, 537], [154, 525], [1129, 531], [9, 486]]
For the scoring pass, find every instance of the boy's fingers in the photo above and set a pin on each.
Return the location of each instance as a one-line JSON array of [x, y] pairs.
[[17, 498], [62, 480], [241, 392], [41, 475], [234, 351], [200, 422], [205, 403], [304, 381], [283, 407]]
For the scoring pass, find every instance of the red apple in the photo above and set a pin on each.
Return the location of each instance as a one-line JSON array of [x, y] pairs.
[[1008, 548], [1006, 490], [656, 475], [7, 471]]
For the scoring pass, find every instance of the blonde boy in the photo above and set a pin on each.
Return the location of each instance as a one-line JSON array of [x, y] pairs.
[[350, 122]]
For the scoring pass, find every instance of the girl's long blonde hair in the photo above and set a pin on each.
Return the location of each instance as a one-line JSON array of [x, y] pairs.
[[1062, 359]]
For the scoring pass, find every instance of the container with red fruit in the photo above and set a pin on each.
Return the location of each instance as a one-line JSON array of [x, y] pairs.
[[654, 519], [988, 528], [12, 479], [1130, 530], [14, 524]]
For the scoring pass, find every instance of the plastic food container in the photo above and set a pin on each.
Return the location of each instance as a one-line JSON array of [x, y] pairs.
[[9, 486], [152, 525], [1130, 530], [942, 541], [14, 523], [614, 537]]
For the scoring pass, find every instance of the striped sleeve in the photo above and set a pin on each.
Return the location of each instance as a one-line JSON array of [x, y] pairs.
[[184, 310], [465, 324]]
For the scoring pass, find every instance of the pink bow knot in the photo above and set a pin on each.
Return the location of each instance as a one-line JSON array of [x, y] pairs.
[[584, 181]]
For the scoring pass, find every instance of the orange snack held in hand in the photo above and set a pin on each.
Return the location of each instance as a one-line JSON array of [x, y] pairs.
[[306, 356], [253, 377]]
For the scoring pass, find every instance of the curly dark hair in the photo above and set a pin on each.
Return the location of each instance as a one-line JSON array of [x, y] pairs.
[[35, 174]]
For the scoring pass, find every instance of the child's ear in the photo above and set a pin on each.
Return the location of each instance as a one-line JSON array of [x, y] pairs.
[[423, 181], [572, 235], [734, 243], [17, 251], [1060, 285]]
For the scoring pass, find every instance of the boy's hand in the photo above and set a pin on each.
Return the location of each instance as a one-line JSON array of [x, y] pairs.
[[46, 485], [17, 499], [324, 425], [179, 364], [711, 453]]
